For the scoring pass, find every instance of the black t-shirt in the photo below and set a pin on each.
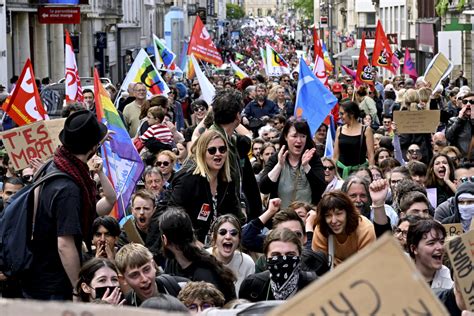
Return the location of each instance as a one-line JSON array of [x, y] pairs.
[[58, 214]]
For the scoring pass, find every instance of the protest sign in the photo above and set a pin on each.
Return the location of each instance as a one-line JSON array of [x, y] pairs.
[[366, 284], [416, 122], [132, 231], [37, 308], [454, 229], [36, 140], [461, 253], [438, 69]]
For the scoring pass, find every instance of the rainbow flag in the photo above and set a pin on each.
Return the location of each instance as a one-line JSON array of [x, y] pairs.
[[327, 59], [122, 163], [276, 65], [143, 70]]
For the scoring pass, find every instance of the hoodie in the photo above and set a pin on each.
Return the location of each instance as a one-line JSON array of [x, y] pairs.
[[466, 187]]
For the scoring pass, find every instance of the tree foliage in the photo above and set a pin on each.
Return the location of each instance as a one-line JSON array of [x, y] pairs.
[[234, 11], [306, 7]]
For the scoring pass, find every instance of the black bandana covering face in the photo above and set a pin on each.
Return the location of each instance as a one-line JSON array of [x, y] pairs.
[[284, 275]]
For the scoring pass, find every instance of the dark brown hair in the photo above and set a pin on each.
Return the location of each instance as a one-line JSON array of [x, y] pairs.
[[284, 235], [341, 201], [431, 179]]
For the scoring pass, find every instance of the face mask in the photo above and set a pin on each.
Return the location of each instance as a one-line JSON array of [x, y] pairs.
[[281, 268], [466, 211]]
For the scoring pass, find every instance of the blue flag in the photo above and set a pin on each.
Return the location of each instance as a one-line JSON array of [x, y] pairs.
[[329, 149], [313, 100]]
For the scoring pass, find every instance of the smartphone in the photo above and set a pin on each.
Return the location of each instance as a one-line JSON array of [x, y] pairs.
[[100, 291]]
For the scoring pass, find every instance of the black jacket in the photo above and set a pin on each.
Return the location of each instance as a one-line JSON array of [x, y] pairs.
[[459, 133], [455, 217], [256, 287], [192, 192], [315, 178]]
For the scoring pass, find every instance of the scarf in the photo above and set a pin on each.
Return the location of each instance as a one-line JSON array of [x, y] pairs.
[[284, 275], [79, 171]]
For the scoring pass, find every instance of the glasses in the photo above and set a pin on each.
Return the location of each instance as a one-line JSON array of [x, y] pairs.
[[467, 179], [213, 150], [467, 101], [201, 108], [197, 307], [162, 163], [195, 84], [27, 178], [286, 80], [232, 232], [330, 168], [414, 151], [398, 231]]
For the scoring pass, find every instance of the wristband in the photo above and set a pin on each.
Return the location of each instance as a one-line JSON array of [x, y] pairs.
[[377, 206]]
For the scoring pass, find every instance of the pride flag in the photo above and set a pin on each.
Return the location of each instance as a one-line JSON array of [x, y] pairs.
[[122, 163], [143, 70], [164, 57]]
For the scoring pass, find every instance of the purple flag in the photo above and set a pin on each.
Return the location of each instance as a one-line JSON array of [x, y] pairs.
[[409, 66]]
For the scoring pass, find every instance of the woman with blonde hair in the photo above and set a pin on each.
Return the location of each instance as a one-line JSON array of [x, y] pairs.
[[411, 100], [424, 98], [205, 188]]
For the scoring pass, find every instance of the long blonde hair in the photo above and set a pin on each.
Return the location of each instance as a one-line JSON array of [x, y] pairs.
[[411, 100], [200, 156]]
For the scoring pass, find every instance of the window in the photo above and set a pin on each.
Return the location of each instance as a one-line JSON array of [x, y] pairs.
[[371, 18]]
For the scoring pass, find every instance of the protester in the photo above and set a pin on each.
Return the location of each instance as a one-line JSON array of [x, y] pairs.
[[331, 177], [401, 231], [296, 173], [284, 278], [440, 175], [131, 112], [199, 296], [105, 230]]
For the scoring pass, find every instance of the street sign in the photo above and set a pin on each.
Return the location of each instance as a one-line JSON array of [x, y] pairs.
[[323, 21], [59, 15]]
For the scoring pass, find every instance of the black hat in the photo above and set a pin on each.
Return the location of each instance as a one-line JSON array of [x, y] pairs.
[[81, 132]]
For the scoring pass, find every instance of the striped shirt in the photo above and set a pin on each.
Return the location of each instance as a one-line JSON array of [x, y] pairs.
[[160, 132]]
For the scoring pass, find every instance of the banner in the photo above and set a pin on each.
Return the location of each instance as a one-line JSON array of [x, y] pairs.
[[237, 71], [143, 70], [202, 46], [382, 55], [409, 66], [24, 106], [164, 57], [122, 163], [73, 81], [276, 65], [364, 69]]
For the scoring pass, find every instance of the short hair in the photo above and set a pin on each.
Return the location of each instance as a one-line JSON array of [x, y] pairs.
[[407, 200], [87, 91], [72, 107], [257, 141], [299, 204], [354, 179], [286, 216], [417, 168], [159, 100], [302, 127], [201, 291], [341, 201], [199, 103], [418, 230], [388, 164], [283, 235], [157, 113], [13, 181], [164, 302], [200, 151], [109, 223], [87, 273], [151, 170], [280, 118], [144, 194], [171, 155], [132, 256], [405, 186], [227, 103]]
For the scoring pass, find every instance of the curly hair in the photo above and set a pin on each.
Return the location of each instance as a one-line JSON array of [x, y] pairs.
[[201, 291]]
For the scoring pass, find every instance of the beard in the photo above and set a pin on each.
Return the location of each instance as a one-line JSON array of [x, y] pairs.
[[259, 98]]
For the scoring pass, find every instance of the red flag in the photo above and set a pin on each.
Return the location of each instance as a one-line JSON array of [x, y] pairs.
[[202, 46], [73, 82], [318, 50], [382, 55], [364, 69], [25, 106], [319, 65]]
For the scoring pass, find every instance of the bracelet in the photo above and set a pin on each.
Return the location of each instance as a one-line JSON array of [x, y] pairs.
[[377, 206]]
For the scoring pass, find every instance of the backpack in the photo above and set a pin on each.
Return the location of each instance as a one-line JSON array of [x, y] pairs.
[[16, 226]]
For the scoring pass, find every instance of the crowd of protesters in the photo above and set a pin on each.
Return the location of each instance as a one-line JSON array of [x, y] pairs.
[[237, 202]]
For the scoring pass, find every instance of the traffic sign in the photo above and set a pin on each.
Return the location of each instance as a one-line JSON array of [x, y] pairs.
[[59, 15], [323, 21]]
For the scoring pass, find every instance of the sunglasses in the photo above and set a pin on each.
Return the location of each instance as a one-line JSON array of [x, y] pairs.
[[414, 151], [232, 232], [199, 109], [213, 150], [398, 231], [467, 179], [467, 101], [27, 178], [331, 168], [195, 84], [162, 163]]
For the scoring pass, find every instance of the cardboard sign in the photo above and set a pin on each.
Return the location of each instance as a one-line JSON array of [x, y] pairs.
[[132, 232], [39, 139], [37, 308], [438, 69], [366, 284], [461, 254], [416, 122], [432, 196], [453, 229]]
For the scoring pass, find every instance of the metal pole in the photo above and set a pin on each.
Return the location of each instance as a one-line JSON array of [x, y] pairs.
[[330, 28]]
